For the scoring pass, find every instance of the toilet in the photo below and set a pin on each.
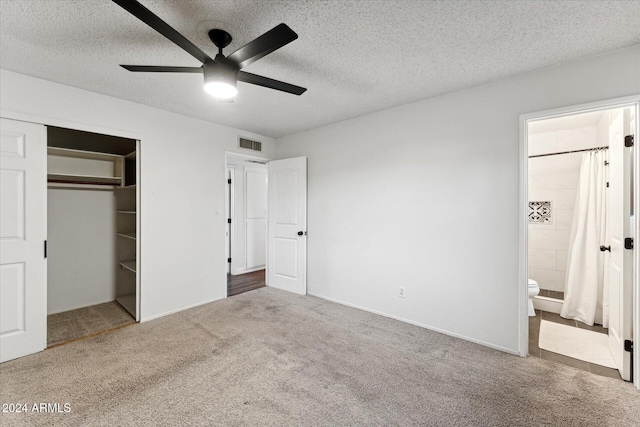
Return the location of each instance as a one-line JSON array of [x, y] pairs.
[[534, 290]]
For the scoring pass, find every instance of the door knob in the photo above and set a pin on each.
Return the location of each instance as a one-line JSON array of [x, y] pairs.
[[301, 233], [605, 248]]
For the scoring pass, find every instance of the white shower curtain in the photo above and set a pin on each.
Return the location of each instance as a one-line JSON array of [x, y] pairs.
[[586, 285]]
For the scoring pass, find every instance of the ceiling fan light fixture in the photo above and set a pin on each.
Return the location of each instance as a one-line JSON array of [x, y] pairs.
[[220, 89], [220, 80]]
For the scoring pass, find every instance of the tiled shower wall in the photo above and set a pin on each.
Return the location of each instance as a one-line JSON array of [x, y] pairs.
[[555, 179]]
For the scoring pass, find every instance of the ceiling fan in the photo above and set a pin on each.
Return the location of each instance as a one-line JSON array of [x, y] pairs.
[[221, 74]]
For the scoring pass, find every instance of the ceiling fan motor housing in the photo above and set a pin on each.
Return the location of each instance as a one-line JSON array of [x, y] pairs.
[[220, 72]]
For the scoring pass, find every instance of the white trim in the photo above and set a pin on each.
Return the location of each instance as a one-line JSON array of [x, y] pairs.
[[523, 320], [249, 270], [636, 253], [138, 230], [50, 121], [232, 216], [244, 156], [523, 238], [421, 325], [552, 305], [177, 310], [571, 110], [228, 213]]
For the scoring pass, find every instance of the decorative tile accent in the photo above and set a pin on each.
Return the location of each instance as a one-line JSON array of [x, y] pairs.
[[540, 212]]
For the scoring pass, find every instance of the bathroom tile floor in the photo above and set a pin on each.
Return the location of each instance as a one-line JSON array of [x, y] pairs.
[[534, 350]]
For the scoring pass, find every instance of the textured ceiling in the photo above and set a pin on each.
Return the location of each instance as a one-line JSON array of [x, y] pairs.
[[355, 57]]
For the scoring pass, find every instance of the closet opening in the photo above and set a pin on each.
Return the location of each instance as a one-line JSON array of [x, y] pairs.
[[92, 237], [246, 216]]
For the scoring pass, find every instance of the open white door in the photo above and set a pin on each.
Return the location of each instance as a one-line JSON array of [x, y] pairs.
[[23, 228], [287, 242], [621, 259]]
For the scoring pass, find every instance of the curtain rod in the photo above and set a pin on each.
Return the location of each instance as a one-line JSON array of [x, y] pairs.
[[568, 152]]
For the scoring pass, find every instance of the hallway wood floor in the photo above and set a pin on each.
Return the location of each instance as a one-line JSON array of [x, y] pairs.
[[242, 283]]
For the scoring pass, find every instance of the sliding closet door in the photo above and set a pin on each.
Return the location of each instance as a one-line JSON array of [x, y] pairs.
[[23, 219]]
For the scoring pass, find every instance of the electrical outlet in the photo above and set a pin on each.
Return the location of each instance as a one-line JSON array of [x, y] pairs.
[[401, 292]]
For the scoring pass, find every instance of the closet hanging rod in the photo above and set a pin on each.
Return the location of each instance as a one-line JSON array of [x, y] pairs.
[[569, 152]]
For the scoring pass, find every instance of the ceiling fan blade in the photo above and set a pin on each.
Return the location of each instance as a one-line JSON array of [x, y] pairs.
[[263, 45], [161, 69], [243, 76], [146, 16]]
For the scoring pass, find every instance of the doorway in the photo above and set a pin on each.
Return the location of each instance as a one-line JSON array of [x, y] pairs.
[[577, 255], [54, 179], [266, 235], [246, 228], [92, 234]]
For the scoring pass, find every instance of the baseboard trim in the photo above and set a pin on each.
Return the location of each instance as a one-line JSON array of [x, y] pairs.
[[168, 313], [421, 325], [241, 271], [552, 305]]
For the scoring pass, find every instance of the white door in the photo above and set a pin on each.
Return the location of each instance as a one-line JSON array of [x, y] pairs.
[[621, 259], [287, 254], [23, 228]]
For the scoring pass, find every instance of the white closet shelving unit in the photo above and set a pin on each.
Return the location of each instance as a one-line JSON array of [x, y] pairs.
[[127, 245], [71, 167], [67, 166]]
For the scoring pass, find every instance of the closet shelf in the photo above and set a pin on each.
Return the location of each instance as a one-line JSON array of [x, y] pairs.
[[128, 302], [80, 154], [127, 212], [84, 179], [128, 235], [129, 265]]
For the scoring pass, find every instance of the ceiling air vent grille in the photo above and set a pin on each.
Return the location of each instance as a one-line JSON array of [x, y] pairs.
[[250, 145]]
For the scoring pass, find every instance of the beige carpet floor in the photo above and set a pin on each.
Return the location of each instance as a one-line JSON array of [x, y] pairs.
[[74, 324], [270, 358]]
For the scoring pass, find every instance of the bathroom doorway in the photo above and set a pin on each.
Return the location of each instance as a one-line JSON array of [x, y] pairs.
[[579, 222]]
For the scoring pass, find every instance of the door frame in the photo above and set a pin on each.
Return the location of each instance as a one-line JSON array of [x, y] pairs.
[[89, 127], [228, 204], [523, 234], [229, 194]]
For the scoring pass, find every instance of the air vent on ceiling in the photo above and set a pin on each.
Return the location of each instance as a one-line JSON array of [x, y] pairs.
[[250, 145]]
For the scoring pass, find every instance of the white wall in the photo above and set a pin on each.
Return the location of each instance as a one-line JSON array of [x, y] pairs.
[[81, 248], [426, 196], [182, 181]]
